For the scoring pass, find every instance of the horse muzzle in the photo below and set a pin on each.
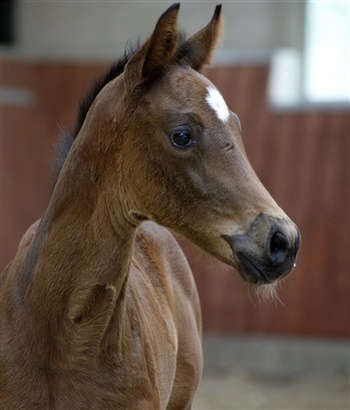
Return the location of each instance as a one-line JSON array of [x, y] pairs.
[[268, 251]]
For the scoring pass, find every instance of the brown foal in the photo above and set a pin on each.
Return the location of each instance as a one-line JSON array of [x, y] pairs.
[[99, 309]]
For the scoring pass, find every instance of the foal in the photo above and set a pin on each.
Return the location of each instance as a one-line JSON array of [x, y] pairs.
[[100, 311]]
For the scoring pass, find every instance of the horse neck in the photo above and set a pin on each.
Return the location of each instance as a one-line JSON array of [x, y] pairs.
[[80, 257]]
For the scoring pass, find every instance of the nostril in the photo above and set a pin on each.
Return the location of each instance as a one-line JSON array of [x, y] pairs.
[[278, 242], [279, 247]]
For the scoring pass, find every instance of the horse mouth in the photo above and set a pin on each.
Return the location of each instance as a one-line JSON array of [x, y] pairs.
[[250, 270], [267, 251]]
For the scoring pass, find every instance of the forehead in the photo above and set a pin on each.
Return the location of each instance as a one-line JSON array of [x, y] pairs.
[[217, 103], [186, 89]]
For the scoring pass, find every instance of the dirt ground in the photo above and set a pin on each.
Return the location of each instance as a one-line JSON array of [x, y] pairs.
[[269, 373]]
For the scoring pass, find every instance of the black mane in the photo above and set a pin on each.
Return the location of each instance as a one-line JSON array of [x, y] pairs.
[[67, 138], [112, 72]]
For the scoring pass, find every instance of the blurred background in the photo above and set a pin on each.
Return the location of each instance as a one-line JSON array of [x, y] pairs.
[[284, 68]]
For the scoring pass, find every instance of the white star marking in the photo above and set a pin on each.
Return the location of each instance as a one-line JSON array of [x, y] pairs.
[[217, 103]]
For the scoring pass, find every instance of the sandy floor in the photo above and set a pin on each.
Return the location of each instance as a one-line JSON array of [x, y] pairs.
[[283, 374]]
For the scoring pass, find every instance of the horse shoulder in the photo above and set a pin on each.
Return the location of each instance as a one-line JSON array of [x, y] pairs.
[[164, 261], [160, 259]]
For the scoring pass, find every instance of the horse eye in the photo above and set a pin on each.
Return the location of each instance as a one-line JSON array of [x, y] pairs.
[[182, 139]]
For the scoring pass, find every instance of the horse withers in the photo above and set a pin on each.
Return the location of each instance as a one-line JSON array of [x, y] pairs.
[[99, 309]]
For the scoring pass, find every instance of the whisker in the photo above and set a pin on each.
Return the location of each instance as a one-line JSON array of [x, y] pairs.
[[249, 287], [268, 294]]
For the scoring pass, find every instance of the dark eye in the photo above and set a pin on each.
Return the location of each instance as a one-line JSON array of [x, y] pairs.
[[182, 139]]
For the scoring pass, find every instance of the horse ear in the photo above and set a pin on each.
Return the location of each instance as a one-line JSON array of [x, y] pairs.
[[158, 51], [198, 50]]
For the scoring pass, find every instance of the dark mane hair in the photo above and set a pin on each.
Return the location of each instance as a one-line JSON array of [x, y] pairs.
[[66, 138]]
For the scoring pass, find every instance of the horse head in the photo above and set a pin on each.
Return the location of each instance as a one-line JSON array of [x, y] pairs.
[[179, 158]]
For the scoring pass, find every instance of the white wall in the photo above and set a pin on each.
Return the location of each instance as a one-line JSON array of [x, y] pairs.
[[101, 29]]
